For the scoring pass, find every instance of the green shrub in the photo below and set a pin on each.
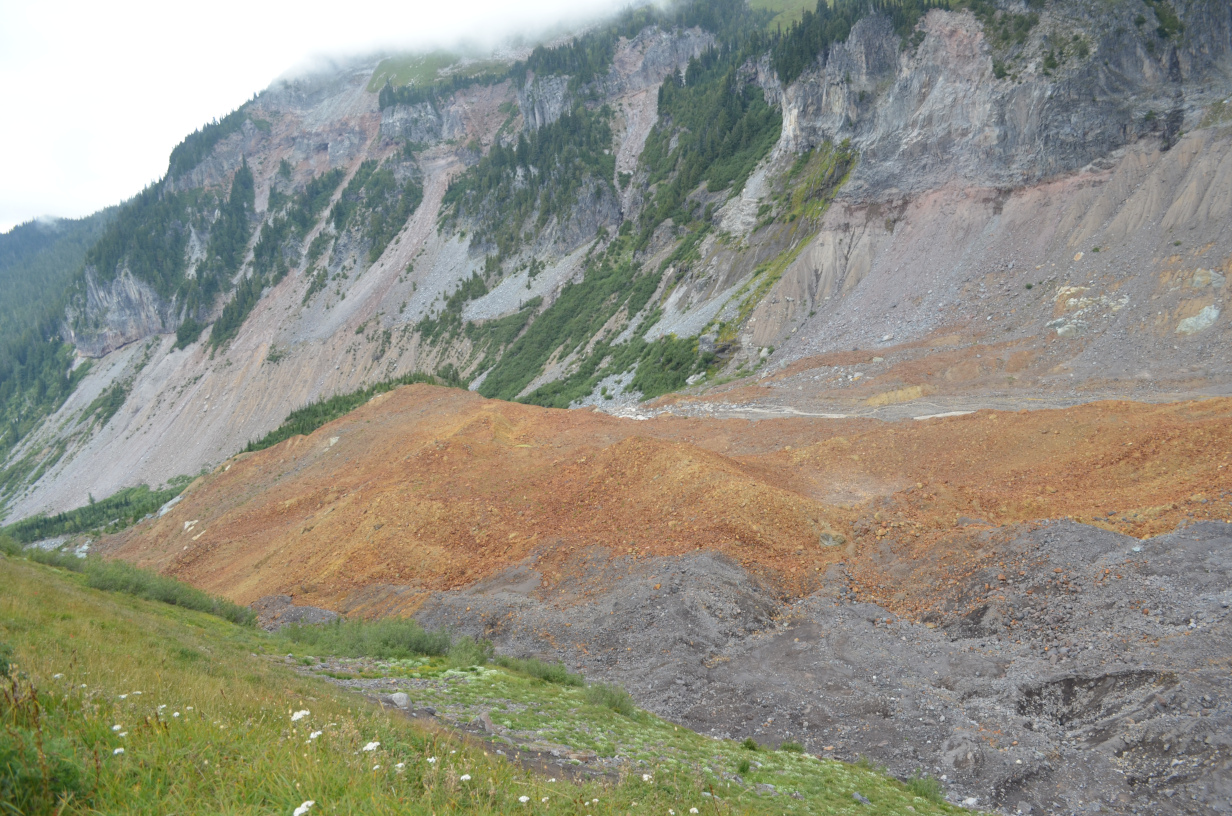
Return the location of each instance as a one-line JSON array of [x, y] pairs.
[[1170, 25], [742, 767], [551, 672], [112, 513], [39, 769], [613, 697], [749, 744], [312, 416], [867, 764], [119, 576], [55, 558], [385, 639], [6, 659], [926, 787], [188, 332], [792, 746], [468, 651]]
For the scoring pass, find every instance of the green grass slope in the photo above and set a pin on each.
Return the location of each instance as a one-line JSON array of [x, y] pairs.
[[114, 704]]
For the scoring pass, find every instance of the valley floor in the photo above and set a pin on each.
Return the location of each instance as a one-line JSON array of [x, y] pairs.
[[1094, 676], [1032, 604]]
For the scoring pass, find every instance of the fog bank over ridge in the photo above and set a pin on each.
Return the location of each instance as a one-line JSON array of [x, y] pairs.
[[157, 73]]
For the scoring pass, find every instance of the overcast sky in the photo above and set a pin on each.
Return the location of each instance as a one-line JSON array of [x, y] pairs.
[[96, 94]]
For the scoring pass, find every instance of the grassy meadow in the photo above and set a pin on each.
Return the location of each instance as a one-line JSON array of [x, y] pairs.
[[424, 69], [785, 12], [121, 705]]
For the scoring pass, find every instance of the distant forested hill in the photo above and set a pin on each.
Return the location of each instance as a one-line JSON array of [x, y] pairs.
[[37, 259]]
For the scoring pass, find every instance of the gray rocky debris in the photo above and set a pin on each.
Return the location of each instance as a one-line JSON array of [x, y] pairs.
[[277, 611], [1060, 692]]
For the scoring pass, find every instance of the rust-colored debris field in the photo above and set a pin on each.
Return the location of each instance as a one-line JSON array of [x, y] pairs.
[[428, 488]]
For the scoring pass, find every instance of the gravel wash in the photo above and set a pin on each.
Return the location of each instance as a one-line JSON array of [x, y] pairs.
[[1097, 680]]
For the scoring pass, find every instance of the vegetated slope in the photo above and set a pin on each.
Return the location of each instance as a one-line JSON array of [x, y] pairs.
[[38, 260], [680, 194], [426, 489], [112, 704]]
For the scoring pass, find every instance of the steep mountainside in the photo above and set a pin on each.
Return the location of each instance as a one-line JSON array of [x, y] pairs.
[[669, 199], [685, 219]]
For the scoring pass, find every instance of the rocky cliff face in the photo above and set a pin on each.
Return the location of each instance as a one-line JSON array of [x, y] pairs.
[[423, 123], [414, 123], [117, 313], [939, 113], [543, 100], [654, 54]]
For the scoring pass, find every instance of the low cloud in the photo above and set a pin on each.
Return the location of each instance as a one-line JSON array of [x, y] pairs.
[[97, 95]]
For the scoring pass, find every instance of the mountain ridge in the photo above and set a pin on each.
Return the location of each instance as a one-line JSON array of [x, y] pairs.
[[892, 348], [734, 272]]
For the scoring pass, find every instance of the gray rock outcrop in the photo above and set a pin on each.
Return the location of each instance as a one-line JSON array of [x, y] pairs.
[[116, 313], [654, 54], [277, 611], [413, 123], [925, 118], [543, 100]]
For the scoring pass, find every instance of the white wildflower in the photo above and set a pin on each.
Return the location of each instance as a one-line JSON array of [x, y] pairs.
[[692, 810], [117, 752], [190, 708], [123, 696], [376, 767], [453, 752], [57, 677], [553, 779], [523, 799], [299, 715], [116, 727], [304, 808], [671, 812], [161, 707], [465, 777], [431, 760], [645, 777], [175, 714], [372, 746], [136, 693], [315, 734], [544, 799], [400, 765], [123, 733]]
